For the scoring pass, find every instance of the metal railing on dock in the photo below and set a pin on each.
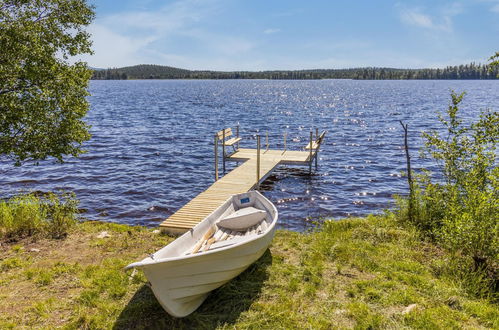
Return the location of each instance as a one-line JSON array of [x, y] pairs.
[[242, 178]]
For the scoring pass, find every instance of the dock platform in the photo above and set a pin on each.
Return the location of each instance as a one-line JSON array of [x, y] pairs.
[[257, 165]]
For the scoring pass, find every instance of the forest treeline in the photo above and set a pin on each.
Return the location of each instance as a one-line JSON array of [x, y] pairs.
[[149, 71]]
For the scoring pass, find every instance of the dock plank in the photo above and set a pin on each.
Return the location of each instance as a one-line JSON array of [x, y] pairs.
[[239, 180]]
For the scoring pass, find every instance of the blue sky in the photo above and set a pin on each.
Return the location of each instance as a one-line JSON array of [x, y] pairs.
[[278, 34]]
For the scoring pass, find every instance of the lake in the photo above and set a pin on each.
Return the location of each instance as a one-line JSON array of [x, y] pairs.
[[152, 144]]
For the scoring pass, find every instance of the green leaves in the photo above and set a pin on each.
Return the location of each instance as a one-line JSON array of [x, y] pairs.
[[462, 212], [43, 96], [494, 60]]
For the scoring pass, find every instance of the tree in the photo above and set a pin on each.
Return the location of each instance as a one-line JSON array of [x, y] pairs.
[[467, 154], [461, 209], [495, 59], [43, 95]]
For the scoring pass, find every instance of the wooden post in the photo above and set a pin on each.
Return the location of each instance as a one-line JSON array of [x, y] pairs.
[[409, 172], [258, 162], [285, 137], [216, 157], [237, 135], [223, 149], [267, 141], [317, 150], [310, 163]]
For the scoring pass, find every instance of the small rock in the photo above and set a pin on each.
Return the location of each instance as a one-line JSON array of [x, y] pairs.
[[156, 231], [409, 308], [134, 272], [34, 250], [103, 234]]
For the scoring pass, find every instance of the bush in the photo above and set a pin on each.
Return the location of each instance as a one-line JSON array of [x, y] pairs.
[[461, 210], [31, 215]]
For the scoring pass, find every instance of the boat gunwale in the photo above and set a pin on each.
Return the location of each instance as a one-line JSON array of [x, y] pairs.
[[149, 261]]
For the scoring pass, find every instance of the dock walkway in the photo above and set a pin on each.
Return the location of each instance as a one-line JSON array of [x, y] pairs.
[[241, 179]]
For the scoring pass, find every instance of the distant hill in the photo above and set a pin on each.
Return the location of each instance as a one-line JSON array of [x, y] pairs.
[[149, 71], [143, 71]]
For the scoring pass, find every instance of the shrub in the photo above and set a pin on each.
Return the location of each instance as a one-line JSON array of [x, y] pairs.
[[461, 210], [61, 214], [31, 215]]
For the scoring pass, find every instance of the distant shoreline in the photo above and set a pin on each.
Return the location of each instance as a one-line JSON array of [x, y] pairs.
[[269, 79], [470, 71]]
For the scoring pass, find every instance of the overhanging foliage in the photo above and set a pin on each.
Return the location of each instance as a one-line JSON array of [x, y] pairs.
[[42, 95]]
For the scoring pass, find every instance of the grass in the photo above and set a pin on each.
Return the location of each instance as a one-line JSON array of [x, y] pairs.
[[33, 215], [358, 273]]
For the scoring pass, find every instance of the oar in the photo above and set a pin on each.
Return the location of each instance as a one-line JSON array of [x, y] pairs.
[[219, 236], [225, 235], [213, 239], [206, 235], [208, 243]]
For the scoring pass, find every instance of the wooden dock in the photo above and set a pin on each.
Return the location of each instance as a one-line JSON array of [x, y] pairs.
[[257, 165]]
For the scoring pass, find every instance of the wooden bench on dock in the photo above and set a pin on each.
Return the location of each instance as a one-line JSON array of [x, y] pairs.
[[313, 148], [316, 144], [225, 137]]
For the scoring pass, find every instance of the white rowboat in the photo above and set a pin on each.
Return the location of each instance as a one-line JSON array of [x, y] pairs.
[[184, 272]]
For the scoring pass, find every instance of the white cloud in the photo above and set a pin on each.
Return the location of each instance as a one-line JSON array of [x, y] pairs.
[[113, 49], [271, 31], [162, 37], [415, 18], [127, 38], [165, 20], [493, 5], [440, 21]]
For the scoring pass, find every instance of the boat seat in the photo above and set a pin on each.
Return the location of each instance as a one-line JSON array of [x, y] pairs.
[[242, 219], [225, 136]]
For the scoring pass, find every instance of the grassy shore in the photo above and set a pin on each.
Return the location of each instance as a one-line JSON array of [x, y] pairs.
[[363, 273]]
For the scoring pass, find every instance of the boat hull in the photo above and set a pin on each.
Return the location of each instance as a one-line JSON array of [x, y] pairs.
[[181, 280], [181, 286]]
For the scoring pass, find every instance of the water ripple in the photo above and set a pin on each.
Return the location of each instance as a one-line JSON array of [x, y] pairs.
[[151, 148]]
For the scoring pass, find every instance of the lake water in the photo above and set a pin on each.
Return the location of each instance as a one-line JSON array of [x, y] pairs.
[[152, 144]]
